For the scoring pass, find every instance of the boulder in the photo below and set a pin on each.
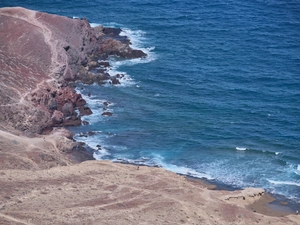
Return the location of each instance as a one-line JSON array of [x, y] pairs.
[[68, 109], [84, 111], [107, 114], [57, 118]]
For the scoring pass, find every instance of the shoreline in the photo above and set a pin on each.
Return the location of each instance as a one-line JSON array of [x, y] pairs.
[[115, 193], [269, 204], [45, 176]]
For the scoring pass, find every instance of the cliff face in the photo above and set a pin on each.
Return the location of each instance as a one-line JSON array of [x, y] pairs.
[[39, 54]]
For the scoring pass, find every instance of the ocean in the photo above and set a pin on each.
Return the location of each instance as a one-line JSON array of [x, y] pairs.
[[218, 96]]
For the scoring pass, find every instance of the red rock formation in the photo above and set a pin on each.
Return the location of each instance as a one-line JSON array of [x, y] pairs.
[[39, 54]]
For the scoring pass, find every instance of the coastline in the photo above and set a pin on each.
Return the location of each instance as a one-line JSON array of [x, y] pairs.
[[53, 179], [115, 193], [268, 204]]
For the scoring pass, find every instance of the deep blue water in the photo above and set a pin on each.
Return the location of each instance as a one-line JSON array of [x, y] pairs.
[[218, 96]]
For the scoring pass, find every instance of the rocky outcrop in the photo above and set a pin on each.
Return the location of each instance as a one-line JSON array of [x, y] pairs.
[[40, 54]]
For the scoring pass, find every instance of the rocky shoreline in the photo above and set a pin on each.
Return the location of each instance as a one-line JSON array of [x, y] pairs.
[[42, 56], [45, 53], [48, 178]]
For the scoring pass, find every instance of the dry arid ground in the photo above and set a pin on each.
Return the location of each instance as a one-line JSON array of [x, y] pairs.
[[40, 184]]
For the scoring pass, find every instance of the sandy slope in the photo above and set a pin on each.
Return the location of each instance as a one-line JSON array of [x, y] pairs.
[[41, 182], [102, 192]]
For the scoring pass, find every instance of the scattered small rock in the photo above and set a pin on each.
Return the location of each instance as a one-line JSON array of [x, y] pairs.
[[106, 114]]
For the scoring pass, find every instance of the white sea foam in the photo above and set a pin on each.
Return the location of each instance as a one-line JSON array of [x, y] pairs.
[[94, 142], [180, 169], [141, 161], [284, 182], [186, 171], [94, 24], [135, 35], [138, 41], [99, 154], [137, 38], [241, 149], [125, 79], [297, 171], [158, 161], [97, 106], [112, 24]]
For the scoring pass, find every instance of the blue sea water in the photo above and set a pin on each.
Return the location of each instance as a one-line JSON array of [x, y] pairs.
[[218, 95]]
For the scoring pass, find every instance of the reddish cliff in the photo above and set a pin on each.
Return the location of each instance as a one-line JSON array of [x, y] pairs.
[[39, 54]]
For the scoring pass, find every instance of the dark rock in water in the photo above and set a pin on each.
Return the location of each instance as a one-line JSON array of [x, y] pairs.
[[115, 80], [120, 75], [82, 135], [136, 54], [91, 133], [104, 64], [117, 48], [111, 31], [102, 78], [115, 33], [106, 76], [106, 103], [80, 102], [85, 111], [84, 122], [107, 114]]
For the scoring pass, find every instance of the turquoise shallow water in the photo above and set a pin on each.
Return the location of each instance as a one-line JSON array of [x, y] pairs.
[[218, 96]]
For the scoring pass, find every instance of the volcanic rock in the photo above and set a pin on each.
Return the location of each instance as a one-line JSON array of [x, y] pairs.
[[85, 111], [39, 54], [107, 114]]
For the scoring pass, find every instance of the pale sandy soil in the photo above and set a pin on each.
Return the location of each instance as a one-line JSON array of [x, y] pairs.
[[51, 189]]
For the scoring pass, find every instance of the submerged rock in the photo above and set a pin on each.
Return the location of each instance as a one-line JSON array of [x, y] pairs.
[[107, 114]]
